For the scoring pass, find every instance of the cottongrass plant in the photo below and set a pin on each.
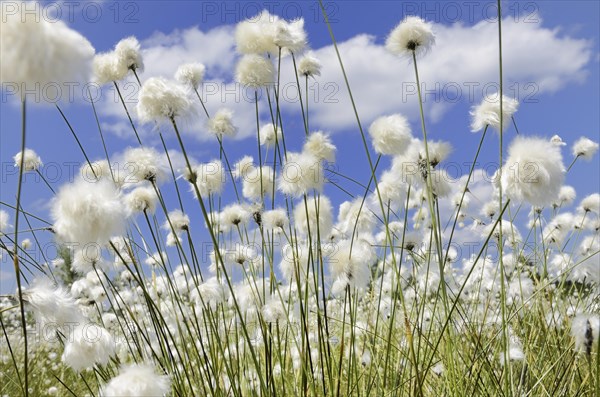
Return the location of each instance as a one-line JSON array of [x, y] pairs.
[[296, 292]]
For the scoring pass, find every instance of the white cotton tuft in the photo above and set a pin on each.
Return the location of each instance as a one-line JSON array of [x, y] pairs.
[[309, 66], [390, 135], [585, 329], [355, 214], [210, 178], [163, 99], [566, 196], [190, 74], [101, 169], [243, 166], [591, 203], [128, 53], [143, 164], [351, 262], [4, 222], [87, 345], [585, 148], [107, 68], [31, 161], [52, 304], [557, 140], [85, 212], [257, 34], [533, 172], [317, 215], [268, 136], [290, 36], [178, 220], [210, 293], [441, 183], [319, 145], [234, 216], [255, 71], [412, 34], [301, 173], [257, 182], [221, 123], [510, 232], [137, 380], [275, 219], [35, 50], [487, 113], [392, 188], [141, 199]]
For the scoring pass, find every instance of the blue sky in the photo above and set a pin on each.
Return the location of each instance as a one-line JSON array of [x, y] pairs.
[[551, 64]]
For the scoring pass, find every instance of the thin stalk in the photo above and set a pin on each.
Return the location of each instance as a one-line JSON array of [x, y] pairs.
[[77, 140], [507, 370], [572, 163], [15, 251], [127, 111]]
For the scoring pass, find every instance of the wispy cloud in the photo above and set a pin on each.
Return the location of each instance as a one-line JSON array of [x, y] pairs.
[[463, 66]]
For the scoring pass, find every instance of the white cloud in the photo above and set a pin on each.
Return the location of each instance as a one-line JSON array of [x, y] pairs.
[[461, 66], [163, 54], [464, 61]]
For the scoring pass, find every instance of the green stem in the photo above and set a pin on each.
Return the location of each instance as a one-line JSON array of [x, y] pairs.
[[572, 163], [77, 140], [15, 251], [127, 111], [505, 338]]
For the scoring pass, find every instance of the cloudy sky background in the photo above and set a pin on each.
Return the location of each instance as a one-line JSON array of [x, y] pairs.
[[551, 64]]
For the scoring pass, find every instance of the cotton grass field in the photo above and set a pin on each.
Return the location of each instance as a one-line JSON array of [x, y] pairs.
[[248, 275]]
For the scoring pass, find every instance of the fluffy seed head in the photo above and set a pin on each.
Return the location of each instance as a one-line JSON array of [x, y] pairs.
[[566, 195], [252, 187], [210, 178], [141, 199], [190, 74], [290, 36], [254, 71], [36, 51], [143, 164], [4, 219], [390, 134], [585, 148], [107, 68], [88, 344], [137, 380], [591, 203], [257, 35], [52, 303], [319, 145], [31, 161], [179, 220], [320, 214], [275, 219], [488, 112], [412, 34], [533, 172], [162, 99], [221, 124], [243, 167], [301, 173], [309, 66], [557, 140], [233, 216], [85, 212], [128, 53], [585, 329], [268, 136]]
